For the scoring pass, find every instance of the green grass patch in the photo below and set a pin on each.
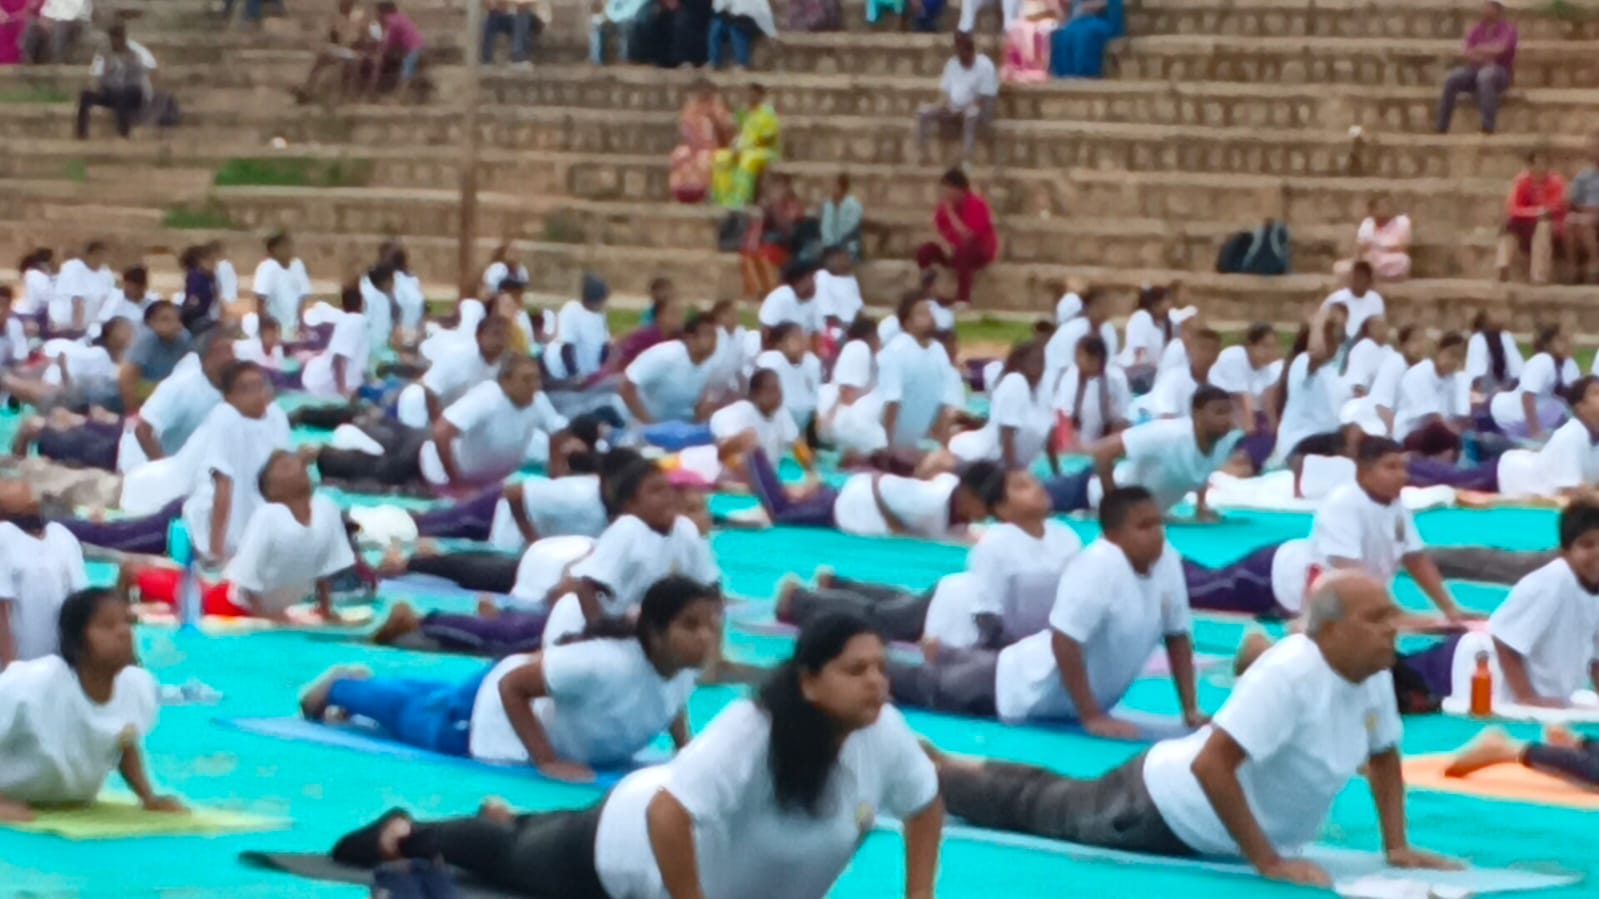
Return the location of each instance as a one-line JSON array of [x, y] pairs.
[[33, 93], [294, 172], [75, 170], [209, 217]]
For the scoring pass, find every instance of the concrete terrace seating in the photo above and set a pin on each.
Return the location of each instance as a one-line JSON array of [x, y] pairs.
[[1217, 114]]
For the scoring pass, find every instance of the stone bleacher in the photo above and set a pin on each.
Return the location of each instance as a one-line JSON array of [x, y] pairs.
[[1217, 114]]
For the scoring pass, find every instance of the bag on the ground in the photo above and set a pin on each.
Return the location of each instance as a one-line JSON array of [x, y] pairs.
[[1263, 251]]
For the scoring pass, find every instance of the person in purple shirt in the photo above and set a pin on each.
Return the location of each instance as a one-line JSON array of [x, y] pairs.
[[401, 48], [1489, 63]]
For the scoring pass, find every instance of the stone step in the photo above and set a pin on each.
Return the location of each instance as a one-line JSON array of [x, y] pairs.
[[1005, 287], [1303, 60], [1212, 103]]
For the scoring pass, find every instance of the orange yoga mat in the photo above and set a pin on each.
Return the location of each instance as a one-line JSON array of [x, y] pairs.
[[1510, 783]]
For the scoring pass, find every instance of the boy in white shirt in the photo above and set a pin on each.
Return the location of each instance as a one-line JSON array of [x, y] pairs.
[[969, 88], [919, 388], [282, 285], [1259, 781], [1433, 404], [1174, 387], [937, 506], [838, 293], [1171, 458], [1060, 353], [793, 301], [582, 334], [1118, 600], [340, 369], [82, 287], [667, 382], [459, 368], [797, 368], [1248, 372], [1566, 463], [41, 564], [1361, 301]]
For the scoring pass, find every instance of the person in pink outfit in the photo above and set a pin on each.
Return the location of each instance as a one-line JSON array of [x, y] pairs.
[[1027, 43], [14, 15], [1383, 240]]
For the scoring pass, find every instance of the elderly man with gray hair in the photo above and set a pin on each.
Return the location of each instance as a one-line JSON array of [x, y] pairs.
[[1258, 781]]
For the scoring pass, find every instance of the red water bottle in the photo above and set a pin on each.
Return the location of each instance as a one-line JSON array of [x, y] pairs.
[[1482, 688]]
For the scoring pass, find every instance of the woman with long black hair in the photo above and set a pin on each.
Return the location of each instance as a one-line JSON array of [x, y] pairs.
[[1493, 361], [771, 800]]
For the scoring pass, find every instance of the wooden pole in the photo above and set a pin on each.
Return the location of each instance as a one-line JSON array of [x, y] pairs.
[[466, 232]]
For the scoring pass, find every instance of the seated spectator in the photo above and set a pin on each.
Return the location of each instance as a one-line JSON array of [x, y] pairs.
[[769, 239], [1535, 223], [815, 15], [1489, 62], [969, 88], [738, 22], [1027, 38], [841, 219], [737, 170], [14, 16], [399, 55], [252, 11], [618, 20], [1583, 221], [967, 241], [1383, 240], [671, 33], [54, 33], [1078, 50], [706, 126], [522, 20], [121, 82], [199, 309], [351, 37]]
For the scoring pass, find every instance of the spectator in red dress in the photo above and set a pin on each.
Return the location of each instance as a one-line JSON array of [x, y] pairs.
[[1535, 223], [967, 240]]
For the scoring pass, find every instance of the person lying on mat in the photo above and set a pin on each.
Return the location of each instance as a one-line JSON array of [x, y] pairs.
[[1560, 753], [68, 719], [1015, 563], [565, 709], [1170, 457], [179, 404], [1259, 781], [461, 366], [233, 446], [937, 506], [1117, 601], [41, 565], [772, 799], [295, 547]]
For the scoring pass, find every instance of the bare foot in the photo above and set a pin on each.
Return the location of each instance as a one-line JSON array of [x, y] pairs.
[[402, 620], [394, 562], [783, 609], [1255, 643], [15, 812], [1492, 747], [495, 809], [825, 578], [393, 834], [486, 607], [930, 647], [428, 547], [1562, 736], [932, 751], [314, 701]]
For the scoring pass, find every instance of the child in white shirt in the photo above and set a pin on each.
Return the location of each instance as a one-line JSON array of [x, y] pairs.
[[797, 368], [282, 285]]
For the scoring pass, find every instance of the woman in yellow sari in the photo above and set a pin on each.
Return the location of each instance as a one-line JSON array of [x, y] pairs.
[[706, 126], [737, 170]]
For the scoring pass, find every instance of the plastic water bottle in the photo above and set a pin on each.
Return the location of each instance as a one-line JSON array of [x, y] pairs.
[[182, 551], [193, 692]]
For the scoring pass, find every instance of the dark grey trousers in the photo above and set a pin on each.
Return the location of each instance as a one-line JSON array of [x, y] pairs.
[[1114, 811], [1487, 565], [959, 681]]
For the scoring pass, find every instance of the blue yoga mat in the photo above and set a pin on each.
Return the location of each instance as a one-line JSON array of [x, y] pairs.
[[373, 743]]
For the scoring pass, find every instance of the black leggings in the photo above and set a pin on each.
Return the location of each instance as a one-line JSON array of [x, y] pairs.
[[478, 570], [324, 418], [1579, 764], [397, 467], [544, 856], [896, 614]]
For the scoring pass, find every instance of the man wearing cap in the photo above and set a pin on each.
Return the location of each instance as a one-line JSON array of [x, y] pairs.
[[1489, 63]]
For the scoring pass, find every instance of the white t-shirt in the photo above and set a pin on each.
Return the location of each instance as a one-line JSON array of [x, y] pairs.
[[773, 435], [962, 86], [352, 340], [377, 311], [1060, 353], [57, 745], [1117, 615], [629, 558], [283, 289], [38, 293], [493, 436], [1423, 394], [1479, 364], [1554, 624], [606, 702], [1095, 420], [839, 296], [1164, 458], [1350, 525], [544, 564], [802, 383], [556, 507], [921, 380], [922, 507], [741, 837], [37, 574], [669, 382], [249, 349], [1362, 363], [1384, 394], [279, 560], [497, 272], [13, 343], [586, 332], [1172, 395], [1305, 731], [1569, 459], [1312, 404], [77, 281], [86, 364], [227, 281], [457, 371], [1233, 373], [237, 447], [178, 406], [1068, 307], [409, 299], [1013, 404], [1290, 574], [1539, 377], [1015, 575], [855, 366], [784, 305], [951, 613], [1360, 308], [1143, 334], [1175, 355]]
